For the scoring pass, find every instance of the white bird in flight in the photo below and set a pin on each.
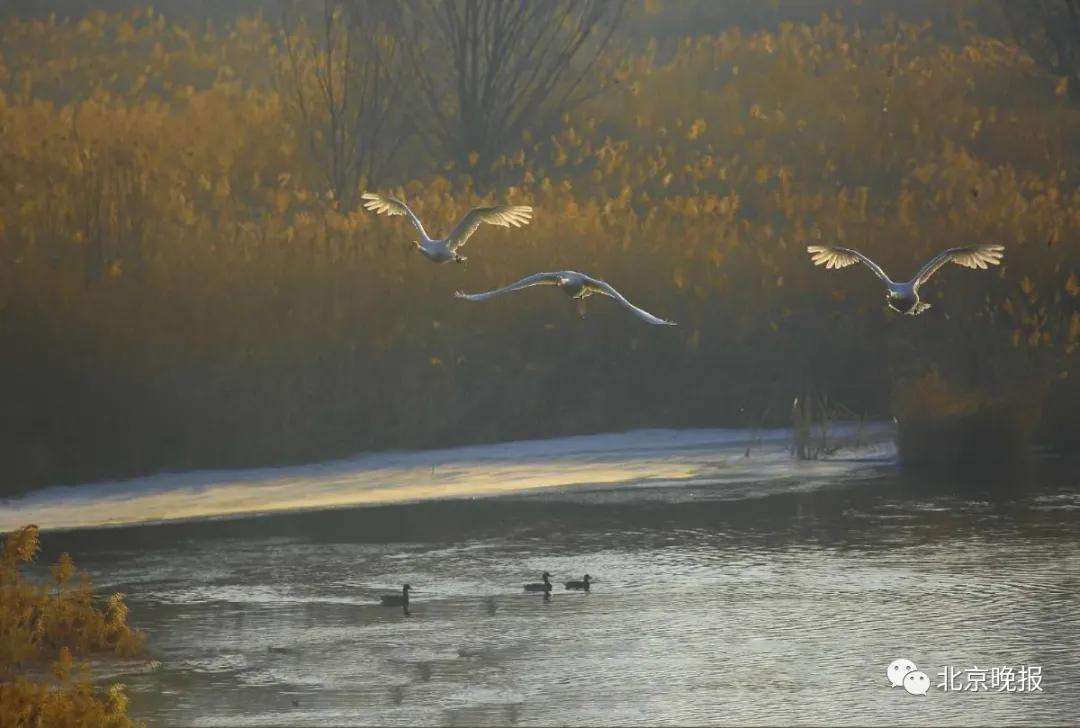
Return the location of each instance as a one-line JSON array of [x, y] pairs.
[[445, 250], [904, 297], [576, 285]]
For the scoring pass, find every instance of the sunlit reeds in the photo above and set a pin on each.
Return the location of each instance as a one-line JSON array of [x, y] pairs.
[[180, 287]]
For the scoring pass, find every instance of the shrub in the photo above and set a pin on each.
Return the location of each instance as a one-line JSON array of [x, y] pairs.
[[49, 625], [941, 427]]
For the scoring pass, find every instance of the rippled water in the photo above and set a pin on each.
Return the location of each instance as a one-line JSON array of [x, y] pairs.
[[716, 601]]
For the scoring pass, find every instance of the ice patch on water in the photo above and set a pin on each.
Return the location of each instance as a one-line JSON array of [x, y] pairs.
[[650, 458]]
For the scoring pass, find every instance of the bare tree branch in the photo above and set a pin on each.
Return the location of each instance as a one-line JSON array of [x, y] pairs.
[[505, 65], [345, 79]]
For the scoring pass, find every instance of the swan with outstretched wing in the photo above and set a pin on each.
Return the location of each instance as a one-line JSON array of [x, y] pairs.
[[904, 297], [445, 249], [575, 285]]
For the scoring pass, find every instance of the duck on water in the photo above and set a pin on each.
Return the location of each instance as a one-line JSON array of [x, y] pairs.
[[582, 585], [541, 586], [397, 600]]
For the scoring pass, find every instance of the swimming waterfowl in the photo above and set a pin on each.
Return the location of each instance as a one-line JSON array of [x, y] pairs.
[[445, 250], [904, 297], [540, 586], [582, 585], [397, 600], [575, 285]]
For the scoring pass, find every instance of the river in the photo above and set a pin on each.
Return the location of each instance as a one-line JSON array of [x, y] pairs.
[[730, 588]]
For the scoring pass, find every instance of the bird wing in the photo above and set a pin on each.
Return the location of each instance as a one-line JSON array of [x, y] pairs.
[[607, 290], [503, 215], [970, 256], [536, 279], [386, 205], [836, 257]]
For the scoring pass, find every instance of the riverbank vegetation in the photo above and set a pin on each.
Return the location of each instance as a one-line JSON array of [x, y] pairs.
[[49, 628], [186, 279]]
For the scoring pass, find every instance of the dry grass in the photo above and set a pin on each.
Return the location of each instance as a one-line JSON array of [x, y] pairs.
[[943, 428]]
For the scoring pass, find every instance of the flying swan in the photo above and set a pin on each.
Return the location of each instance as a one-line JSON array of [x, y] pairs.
[[904, 297], [576, 285], [445, 250]]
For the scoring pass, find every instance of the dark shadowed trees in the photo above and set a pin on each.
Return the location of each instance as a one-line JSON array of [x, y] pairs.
[[1050, 30], [488, 70], [346, 78]]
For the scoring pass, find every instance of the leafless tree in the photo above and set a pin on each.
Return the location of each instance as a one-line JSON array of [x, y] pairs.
[[487, 70], [345, 75]]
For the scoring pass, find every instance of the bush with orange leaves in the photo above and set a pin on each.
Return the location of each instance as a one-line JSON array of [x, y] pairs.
[[44, 628]]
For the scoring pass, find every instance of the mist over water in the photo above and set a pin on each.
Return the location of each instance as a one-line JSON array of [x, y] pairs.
[[717, 600]]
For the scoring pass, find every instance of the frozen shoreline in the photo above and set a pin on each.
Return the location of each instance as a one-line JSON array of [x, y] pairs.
[[636, 458]]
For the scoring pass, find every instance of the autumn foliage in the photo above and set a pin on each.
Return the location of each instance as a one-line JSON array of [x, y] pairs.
[[179, 286], [45, 629]]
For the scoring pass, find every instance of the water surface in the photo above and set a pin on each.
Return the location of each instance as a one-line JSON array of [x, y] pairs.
[[746, 590]]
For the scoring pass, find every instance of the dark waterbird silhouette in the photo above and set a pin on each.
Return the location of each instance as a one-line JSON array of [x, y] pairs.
[[582, 585], [540, 586], [397, 600]]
